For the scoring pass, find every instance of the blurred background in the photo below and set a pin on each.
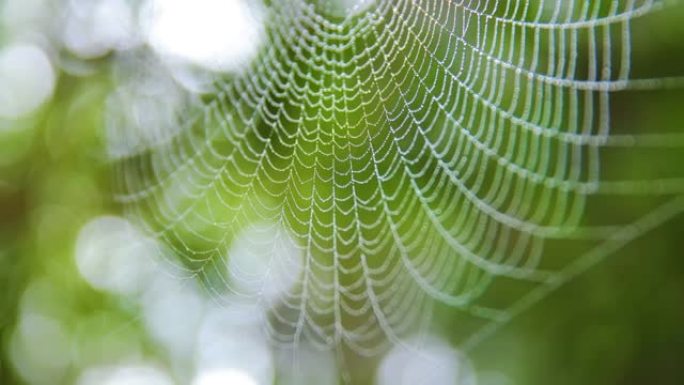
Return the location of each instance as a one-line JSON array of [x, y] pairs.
[[84, 299]]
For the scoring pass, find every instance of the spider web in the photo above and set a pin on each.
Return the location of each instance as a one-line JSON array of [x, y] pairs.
[[415, 155]]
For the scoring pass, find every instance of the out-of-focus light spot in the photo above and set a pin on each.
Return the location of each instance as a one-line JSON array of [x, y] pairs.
[[26, 20], [264, 261], [342, 8], [42, 296], [192, 78], [112, 255], [227, 376], [219, 35], [40, 348], [172, 311], [307, 365], [227, 340], [27, 80], [95, 27], [427, 361], [125, 375], [144, 110]]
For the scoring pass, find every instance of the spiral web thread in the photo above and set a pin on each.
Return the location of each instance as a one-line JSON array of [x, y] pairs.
[[414, 153]]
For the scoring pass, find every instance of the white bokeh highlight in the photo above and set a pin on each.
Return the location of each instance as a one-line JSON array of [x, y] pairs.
[[264, 261], [125, 375], [354, 7], [425, 361], [227, 376], [218, 35], [305, 364], [228, 342], [345, 8], [172, 310], [27, 78], [144, 110], [40, 348], [114, 256], [93, 28], [27, 20]]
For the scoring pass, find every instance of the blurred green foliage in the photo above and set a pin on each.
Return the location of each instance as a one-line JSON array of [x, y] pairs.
[[620, 323]]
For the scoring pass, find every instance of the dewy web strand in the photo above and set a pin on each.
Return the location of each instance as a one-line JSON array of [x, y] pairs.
[[409, 154]]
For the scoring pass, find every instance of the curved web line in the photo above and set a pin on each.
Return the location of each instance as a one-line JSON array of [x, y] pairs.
[[414, 154]]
